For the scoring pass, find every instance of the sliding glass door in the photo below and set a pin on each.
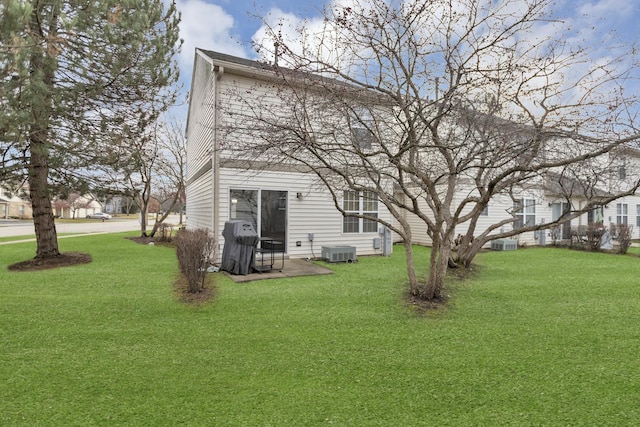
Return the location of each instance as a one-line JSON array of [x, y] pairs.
[[265, 209]]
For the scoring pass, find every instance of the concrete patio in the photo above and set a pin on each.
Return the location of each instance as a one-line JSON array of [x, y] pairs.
[[292, 268]]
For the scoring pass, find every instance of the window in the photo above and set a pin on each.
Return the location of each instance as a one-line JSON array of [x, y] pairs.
[[622, 169], [638, 215], [622, 212], [244, 206], [362, 122], [360, 203], [595, 215], [525, 213], [485, 211]]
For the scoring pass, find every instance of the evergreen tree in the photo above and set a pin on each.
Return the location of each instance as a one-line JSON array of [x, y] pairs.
[[78, 78]]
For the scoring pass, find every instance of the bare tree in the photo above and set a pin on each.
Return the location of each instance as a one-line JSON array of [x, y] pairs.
[[171, 171], [437, 108], [150, 169]]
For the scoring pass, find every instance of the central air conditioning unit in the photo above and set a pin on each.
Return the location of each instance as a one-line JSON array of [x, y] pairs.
[[504, 245], [339, 253]]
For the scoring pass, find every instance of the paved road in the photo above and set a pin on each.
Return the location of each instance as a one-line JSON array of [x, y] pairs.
[[10, 227]]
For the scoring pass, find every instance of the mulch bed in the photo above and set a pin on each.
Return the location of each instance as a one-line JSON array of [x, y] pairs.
[[207, 293], [65, 259]]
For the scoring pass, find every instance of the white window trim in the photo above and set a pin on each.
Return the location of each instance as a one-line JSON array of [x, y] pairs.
[[360, 211], [622, 213], [524, 214]]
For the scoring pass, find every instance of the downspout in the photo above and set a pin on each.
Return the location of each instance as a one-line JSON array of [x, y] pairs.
[[215, 162]]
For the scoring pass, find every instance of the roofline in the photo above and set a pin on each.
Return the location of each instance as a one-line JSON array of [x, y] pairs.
[[239, 65], [225, 63]]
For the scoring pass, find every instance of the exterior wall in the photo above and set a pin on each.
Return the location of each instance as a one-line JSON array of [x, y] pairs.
[[498, 210], [313, 213], [200, 202], [200, 145], [633, 213], [16, 209], [13, 206], [209, 183]]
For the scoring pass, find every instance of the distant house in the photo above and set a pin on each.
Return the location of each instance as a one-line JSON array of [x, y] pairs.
[[14, 203], [76, 206], [545, 200]]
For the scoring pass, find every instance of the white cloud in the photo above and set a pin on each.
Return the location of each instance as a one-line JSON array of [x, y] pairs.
[[606, 8], [205, 26], [309, 37]]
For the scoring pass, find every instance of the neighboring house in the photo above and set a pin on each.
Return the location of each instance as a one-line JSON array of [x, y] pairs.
[[546, 200], [76, 206], [283, 204], [289, 205], [14, 203]]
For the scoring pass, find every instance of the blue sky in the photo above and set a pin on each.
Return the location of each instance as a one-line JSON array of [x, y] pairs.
[[227, 25]]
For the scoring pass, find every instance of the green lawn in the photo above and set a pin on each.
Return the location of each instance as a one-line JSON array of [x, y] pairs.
[[536, 337]]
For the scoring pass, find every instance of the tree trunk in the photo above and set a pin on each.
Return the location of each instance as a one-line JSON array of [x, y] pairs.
[[143, 222], [43, 221], [439, 261], [144, 208], [467, 251], [414, 286], [166, 213]]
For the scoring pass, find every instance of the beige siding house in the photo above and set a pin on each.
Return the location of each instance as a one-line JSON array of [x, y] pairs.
[[76, 206], [14, 204], [283, 202]]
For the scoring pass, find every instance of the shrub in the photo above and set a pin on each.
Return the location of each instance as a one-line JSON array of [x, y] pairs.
[[165, 233], [624, 237], [556, 235], [194, 248], [594, 235]]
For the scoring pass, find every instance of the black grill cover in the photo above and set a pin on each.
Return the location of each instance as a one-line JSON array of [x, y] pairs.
[[240, 241]]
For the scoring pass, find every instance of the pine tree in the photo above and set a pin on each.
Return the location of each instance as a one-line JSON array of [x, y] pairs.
[[77, 78]]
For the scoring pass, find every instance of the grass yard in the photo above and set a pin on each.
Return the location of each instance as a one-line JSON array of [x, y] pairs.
[[535, 337]]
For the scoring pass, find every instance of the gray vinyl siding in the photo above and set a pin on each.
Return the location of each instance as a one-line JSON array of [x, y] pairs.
[[233, 142], [201, 118], [200, 202], [499, 208], [313, 213], [200, 139]]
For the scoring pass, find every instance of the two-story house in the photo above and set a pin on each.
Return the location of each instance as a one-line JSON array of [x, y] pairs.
[[286, 202], [282, 201]]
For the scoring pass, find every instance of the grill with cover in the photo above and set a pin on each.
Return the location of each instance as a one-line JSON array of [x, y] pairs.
[[240, 241]]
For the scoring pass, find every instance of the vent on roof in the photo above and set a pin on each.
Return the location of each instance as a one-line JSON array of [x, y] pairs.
[[339, 253]]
